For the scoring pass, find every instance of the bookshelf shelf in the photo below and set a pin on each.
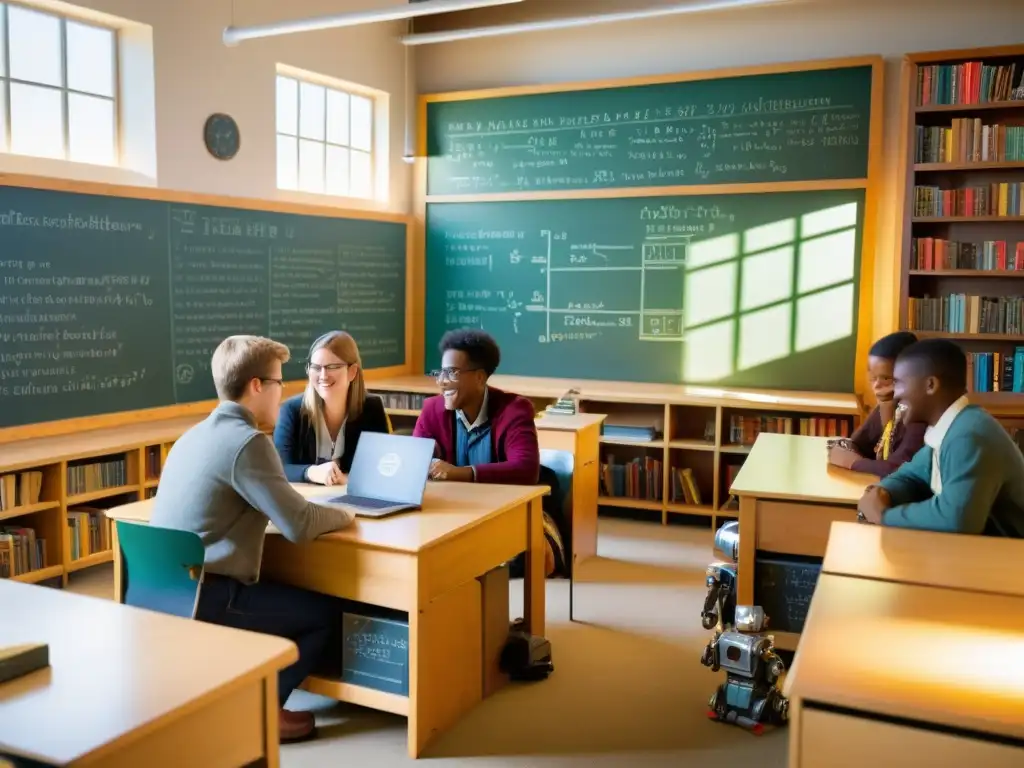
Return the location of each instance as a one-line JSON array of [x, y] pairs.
[[151, 483], [684, 449], [102, 493], [40, 574], [975, 166], [96, 558], [965, 110], [28, 509]]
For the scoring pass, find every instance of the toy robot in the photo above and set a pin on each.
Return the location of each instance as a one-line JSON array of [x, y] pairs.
[[749, 697]]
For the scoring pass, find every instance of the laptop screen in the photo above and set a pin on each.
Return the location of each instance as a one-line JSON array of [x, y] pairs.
[[391, 467]]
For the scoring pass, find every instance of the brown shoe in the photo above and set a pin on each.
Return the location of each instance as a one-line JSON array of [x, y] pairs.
[[296, 726]]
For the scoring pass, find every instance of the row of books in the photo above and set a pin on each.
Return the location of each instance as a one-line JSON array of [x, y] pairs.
[[743, 430], [21, 551], [20, 489], [152, 463], [960, 313], [638, 478], [97, 475], [934, 253], [999, 199], [88, 532], [968, 140], [401, 401], [972, 82], [684, 488], [996, 372]]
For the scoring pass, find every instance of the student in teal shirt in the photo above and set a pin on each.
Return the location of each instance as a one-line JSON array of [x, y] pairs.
[[969, 475]]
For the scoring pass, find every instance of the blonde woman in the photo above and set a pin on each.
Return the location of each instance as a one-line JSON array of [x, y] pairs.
[[317, 431]]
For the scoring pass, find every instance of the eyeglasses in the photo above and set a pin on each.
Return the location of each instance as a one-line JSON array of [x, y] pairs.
[[314, 368], [279, 382], [452, 374]]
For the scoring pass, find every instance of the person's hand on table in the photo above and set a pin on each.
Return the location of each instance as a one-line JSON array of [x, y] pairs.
[[873, 504], [842, 457], [327, 473], [442, 470]]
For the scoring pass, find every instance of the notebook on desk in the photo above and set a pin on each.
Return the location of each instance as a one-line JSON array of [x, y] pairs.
[[388, 475]]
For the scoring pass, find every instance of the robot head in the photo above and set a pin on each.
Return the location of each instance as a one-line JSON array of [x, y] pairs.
[[751, 618], [727, 541]]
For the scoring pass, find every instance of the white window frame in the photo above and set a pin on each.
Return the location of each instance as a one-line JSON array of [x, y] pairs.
[[379, 127], [7, 78]]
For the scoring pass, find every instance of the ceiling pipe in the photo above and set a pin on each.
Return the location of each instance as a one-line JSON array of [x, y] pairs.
[[234, 35], [448, 36]]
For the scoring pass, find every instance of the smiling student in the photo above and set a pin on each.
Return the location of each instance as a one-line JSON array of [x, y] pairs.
[[317, 431]]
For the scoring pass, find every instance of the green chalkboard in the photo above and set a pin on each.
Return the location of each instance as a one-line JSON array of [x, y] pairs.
[[790, 126], [750, 290], [112, 304]]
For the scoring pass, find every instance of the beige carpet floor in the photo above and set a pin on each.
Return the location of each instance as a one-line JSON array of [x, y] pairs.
[[628, 688]]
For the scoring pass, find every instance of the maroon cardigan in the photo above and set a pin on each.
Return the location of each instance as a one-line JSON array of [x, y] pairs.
[[907, 440], [513, 437]]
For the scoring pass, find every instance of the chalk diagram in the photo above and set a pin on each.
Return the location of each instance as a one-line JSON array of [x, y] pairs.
[[184, 373]]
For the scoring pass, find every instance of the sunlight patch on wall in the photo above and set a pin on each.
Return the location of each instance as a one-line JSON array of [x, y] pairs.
[[767, 278], [708, 352], [713, 251], [710, 294], [764, 335], [824, 317]]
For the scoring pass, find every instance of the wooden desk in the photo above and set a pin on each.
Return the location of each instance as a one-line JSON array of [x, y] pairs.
[[948, 560], [789, 497], [128, 687], [427, 564], [896, 674], [579, 434]]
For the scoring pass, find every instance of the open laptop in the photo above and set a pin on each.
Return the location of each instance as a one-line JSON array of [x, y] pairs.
[[388, 475]]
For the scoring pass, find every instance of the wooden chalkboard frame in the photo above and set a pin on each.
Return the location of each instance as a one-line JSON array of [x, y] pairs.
[[871, 183], [68, 426]]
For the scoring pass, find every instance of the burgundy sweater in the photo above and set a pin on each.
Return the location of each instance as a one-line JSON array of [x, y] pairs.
[[513, 437], [907, 440]]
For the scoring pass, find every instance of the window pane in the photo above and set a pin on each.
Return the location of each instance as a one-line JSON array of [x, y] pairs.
[[311, 166], [337, 117], [287, 162], [362, 123], [3, 118], [362, 175], [90, 129], [37, 121], [311, 111], [90, 59], [34, 40], [337, 171], [3, 43], [287, 106]]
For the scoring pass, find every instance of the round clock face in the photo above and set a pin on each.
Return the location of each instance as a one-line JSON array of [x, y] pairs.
[[222, 136]]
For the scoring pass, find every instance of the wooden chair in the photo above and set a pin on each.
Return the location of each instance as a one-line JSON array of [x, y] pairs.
[[161, 568]]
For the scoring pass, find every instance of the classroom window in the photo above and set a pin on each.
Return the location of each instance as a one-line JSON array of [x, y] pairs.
[[58, 87], [325, 139]]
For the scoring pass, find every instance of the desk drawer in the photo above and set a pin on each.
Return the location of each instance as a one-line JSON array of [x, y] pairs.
[[829, 740], [798, 529], [557, 440]]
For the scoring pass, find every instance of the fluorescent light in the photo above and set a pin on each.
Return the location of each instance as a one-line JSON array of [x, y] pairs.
[[235, 35], [447, 36]]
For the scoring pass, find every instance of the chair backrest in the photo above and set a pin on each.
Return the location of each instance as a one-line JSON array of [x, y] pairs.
[[561, 464], [161, 568]]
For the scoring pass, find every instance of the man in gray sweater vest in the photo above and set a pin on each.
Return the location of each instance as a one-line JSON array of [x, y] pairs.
[[224, 481]]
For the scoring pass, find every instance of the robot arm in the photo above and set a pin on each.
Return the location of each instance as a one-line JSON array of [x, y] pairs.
[[720, 601]]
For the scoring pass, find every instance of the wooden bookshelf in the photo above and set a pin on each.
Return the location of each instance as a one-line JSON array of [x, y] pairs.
[[704, 429], [963, 211], [61, 487]]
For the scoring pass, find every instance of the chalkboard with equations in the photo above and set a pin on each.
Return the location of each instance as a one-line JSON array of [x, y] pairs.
[[746, 290], [112, 304], [789, 126]]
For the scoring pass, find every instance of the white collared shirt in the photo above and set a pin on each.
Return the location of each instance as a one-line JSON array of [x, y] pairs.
[[324, 448], [933, 437], [481, 418]]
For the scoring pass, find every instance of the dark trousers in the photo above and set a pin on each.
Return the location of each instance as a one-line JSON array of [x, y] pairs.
[[310, 619]]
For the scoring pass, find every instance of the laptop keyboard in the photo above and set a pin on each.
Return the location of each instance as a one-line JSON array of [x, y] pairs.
[[363, 502]]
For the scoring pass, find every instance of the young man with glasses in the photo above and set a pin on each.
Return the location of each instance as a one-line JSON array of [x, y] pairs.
[[224, 481]]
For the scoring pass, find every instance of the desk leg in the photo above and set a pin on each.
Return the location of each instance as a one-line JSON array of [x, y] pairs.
[[271, 727], [748, 551], [445, 663], [533, 583], [115, 548]]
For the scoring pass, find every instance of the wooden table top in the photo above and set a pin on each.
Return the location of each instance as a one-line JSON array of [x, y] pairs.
[[796, 467], [448, 508], [634, 392], [114, 669], [564, 423], [951, 560], [944, 656]]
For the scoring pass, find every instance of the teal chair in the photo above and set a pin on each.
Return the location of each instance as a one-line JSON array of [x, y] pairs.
[[161, 568]]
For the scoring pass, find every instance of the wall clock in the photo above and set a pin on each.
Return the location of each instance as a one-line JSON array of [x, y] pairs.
[[222, 136]]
